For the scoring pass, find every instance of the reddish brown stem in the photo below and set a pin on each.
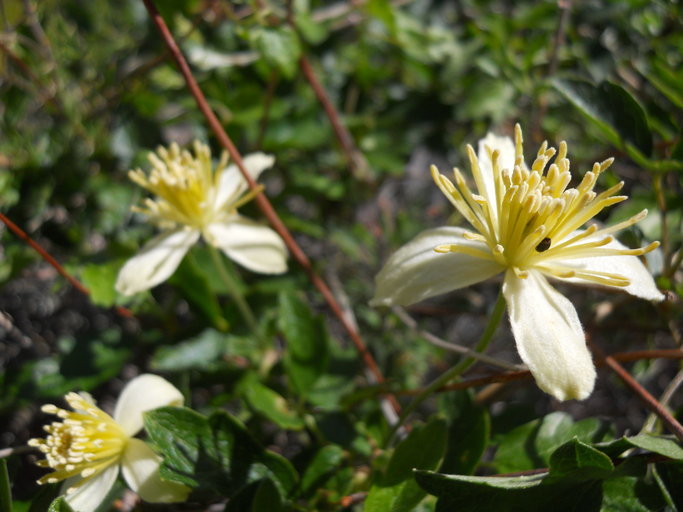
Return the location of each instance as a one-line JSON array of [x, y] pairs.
[[354, 157], [651, 402], [525, 374], [53, 262], [262, 201]]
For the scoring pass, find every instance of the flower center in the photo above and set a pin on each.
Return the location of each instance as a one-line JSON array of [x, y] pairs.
[[185, 186], [528, 218], [86, 442]]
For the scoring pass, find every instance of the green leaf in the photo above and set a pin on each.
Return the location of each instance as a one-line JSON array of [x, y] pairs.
[[267, 497], [213, 455], [324, 462], [612, 108], [396, 490], [100, 279], [199, 353], [312, 31], [193, 282], [572, 483], [577, 461], [58, 505], [468, 433], [663, 445], [631, 494], [671, 475], [529, 446], [279, 47], [307, 354], [269, 403]]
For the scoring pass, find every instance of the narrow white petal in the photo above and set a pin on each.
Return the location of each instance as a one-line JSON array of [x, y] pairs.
[[231, 184], [156, 262], [416, 272], [549, 336], [144, 393], [506, 159], [252, 245], [631, 267], [87, 497], [140, 468]]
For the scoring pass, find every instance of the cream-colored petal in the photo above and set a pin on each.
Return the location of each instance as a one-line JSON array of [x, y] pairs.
[[87, 497], [231, 184], [549, 336], [416, 272], [631, 267], [144, 393], [252, 245], [156, 262], [140, 468]]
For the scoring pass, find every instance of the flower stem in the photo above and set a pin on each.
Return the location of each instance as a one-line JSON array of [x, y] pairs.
[[458, 369], [235, 293]]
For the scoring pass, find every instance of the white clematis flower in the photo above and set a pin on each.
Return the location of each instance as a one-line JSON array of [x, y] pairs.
[[88, 447], [526, 225], [195, 201]]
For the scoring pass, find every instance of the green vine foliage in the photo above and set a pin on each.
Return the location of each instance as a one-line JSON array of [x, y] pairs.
[[289, 418]]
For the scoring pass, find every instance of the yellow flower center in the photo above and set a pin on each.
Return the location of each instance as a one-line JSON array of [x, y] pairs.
[[86, 442], [185, 186], [528, 218]]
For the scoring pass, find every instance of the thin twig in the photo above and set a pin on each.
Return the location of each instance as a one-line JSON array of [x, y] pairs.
[[435, 340], [526, 374], [673, 386], [55, 264], [650, 401], [355, 158], [457, 370], [267, 102], [261, 200]]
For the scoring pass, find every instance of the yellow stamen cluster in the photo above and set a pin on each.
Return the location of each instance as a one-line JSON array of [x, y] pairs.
[[526, 217], [86, 442], [185, 186]]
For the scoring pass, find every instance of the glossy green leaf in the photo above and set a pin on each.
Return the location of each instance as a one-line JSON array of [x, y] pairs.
[[280, 47], [307, 355], [631, 494], [321, 467], [202, 352], [269, 403], [267, 497], [529, 446], [577, 461], [663, 445], [395, 489], [215, 455], [612, 108], [99, 279], [574, 482]]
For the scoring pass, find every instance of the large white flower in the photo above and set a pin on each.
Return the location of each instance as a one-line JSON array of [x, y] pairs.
[[193, 201], [87, 448], [526, 224]]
